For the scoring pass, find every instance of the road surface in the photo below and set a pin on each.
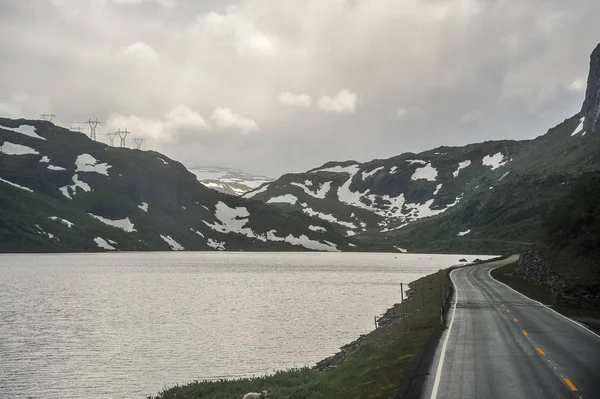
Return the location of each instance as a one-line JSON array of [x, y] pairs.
[[501, 344]]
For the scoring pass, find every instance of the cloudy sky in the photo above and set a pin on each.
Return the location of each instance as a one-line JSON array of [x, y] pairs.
[[275, 86]]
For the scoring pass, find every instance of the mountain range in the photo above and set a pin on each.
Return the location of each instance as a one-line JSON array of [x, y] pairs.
[[61, 191]]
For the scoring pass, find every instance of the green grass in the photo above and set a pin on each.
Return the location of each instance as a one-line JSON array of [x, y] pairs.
[[373, 368], [506, 274]]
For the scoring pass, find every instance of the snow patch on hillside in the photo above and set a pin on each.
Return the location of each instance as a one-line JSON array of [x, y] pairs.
[[401, 249], [26, 130], [327, 217], [196, 232], [461, 165], [317, 228], [123, 224], [87, 163], [16, 185], [45, 159], [418, 161], [351, 169], [78, 183], [163, 161], [365, 175], [63, 221], [426, 172], [320, 193], [464, 233], [393, 170], [579, 127], [175, 246], [233, 220], [437, 189], [287, 199], [494, 161], [52, 167], [304, 241], [215, 244], [9, 148], [101, 242], [144, 207], [253, 193]]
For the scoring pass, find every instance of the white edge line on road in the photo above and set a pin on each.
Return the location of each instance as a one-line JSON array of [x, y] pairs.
[[538, 302], [438, 373]]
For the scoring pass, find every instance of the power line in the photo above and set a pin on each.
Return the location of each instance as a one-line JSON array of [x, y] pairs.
[[48, 117]]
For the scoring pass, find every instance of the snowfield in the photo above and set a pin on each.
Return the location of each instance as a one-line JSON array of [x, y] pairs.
[[78, 183], [253, 193], [16, 185], [365, 175], [9, 148], [426, 172], [461, 165], [175, 246], [87, 163], [144, 207], [317, 228], [286, 199], [579, 127], [26, 130], [464, 233], [123, 224], [52, 167], [494, 161], [329, 218], [101, 242], [63, 221], [352, 169], [320, 193], [215, 244]]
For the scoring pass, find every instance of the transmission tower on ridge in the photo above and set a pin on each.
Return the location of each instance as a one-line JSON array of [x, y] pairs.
[[76, 129], [93, 124], [138, 142], [111, 138], [48, 117], [123, 135]]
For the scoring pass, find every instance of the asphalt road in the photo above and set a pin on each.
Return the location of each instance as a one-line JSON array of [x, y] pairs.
[[501, 344]]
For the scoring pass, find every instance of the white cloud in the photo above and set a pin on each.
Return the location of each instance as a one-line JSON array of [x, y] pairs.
[[578, 85], [179, 119], [473, 117], [343, 103], [140, 53], [164, 3], [236, 28], [296, 100], [401, 112], [225, 118]]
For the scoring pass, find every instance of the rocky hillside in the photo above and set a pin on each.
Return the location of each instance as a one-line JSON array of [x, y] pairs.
[[60, 191], [228, 180], [485, 197]]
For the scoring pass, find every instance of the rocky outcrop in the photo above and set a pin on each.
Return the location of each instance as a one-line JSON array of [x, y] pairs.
[[535, 269], [591, 105]]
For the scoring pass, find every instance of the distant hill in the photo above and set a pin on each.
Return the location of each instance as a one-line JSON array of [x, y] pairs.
[[61, 191], [228, 180], [485, 197]]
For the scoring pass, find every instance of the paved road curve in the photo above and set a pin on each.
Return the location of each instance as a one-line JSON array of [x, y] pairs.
[[500, 344]]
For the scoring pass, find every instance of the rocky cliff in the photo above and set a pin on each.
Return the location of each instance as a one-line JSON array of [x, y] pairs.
[[591, 105]]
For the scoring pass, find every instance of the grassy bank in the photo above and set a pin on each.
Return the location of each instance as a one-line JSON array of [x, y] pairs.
[[377, 365], [506, 274]]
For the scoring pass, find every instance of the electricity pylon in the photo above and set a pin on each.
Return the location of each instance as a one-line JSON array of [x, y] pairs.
[[48, 117], [93, 125], [123, 135], [138, 142], [111, 138]]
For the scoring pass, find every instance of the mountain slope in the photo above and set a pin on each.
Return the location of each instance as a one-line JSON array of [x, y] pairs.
[[485, 197], [60, 191], [228, 180]]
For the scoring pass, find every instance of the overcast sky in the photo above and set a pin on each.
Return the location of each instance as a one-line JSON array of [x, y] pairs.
[[275, 86]]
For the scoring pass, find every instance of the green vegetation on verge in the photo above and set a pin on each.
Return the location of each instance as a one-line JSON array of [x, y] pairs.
[[372, 366]]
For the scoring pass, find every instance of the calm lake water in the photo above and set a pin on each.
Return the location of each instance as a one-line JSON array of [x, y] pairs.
[[126, 325]]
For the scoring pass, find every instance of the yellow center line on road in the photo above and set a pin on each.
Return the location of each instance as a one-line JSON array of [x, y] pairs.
[[541, 351], [571, 385], [525, 333], [516, 320]]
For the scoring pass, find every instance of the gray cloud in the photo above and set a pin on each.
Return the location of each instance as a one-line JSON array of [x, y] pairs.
[[246, 85]]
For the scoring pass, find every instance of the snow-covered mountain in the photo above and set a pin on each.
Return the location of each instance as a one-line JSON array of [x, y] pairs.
[[228, 180], [61, 191]]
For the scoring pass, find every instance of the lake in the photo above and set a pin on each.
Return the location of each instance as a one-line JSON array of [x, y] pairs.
[[126, 325]]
